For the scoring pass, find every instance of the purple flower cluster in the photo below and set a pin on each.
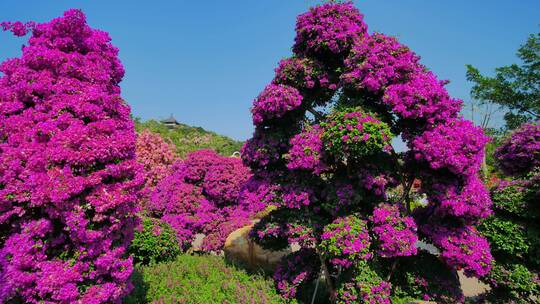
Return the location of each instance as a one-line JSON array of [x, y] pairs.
[[520, 153], [296, 196], [422, 98], [376, 181], [340, 198], [296, 270], [263, 149], [306, 152], [18, 28], [470, 201], [456, 146], [274, 102], [259, 193], [328, 29], [395, 235], [345, 241], [69, 180], [304, 74], [461, 247], [202, 196], [377, 62], [453, 152]]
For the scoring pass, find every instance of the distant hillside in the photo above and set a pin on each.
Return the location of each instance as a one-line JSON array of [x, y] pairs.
[[188, 138]]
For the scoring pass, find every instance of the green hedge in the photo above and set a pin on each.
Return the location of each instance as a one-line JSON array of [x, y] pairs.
[[155, 242]]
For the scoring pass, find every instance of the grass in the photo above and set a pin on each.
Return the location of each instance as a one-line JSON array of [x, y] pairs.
[[200, 279]]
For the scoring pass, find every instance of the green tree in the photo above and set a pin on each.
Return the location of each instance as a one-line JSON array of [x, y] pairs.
[[515, 88]]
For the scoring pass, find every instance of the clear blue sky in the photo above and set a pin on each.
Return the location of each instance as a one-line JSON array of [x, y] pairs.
[[205, 61]]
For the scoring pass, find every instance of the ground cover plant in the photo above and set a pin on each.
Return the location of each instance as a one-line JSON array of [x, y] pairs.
[[322, 154], [201, 279], [69, 180]]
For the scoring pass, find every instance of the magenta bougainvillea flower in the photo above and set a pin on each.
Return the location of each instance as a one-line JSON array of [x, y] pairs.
[[378, 62], [274, 102], [157, 156], [201, 196], [328, 29], [322, 148], [519, 154], [396, 234], [69, 180]]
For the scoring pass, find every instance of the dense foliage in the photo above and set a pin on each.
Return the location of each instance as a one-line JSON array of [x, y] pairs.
[[514, 230], [188, 139], [154, 242], [200, 279], [68, 175], [322, 151], [201, 197], [515, 87]]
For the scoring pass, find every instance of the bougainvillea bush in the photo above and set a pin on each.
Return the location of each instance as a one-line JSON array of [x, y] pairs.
[[520, 153], [69, 180], [201, 196], [514, 230], [322, 153], [157, 156]]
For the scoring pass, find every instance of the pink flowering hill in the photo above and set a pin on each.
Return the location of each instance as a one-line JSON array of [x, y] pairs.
[[69, 181]]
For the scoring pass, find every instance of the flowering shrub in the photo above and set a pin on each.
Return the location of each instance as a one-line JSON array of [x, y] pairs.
[[155, 242], [201, 196], [345, 241], [520, 153], [274, 102], [69, 180], [462, 248], [156, 156], [328, 29], [325, 149], [514, 231]]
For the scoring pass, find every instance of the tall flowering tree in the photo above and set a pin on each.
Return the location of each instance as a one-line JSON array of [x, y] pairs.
[[322, 153], [68, 176]]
